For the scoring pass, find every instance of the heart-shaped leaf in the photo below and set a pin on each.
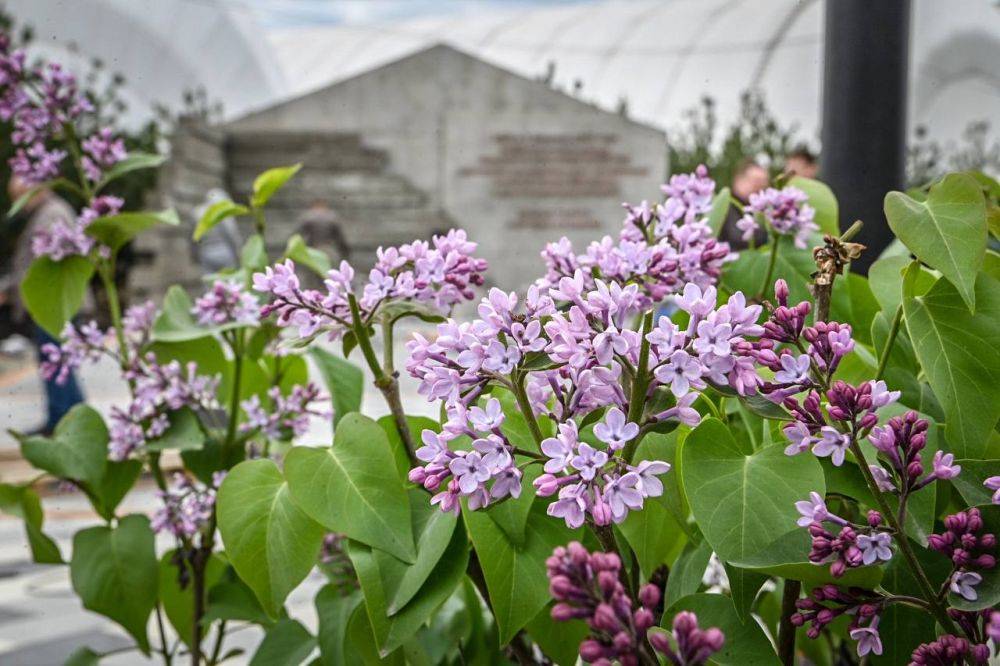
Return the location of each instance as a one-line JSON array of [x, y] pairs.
[[114, 572], [353, 487], [343, 380], [947, 231], [960, 355], [270, 541], [53, 291], [115, 231], [743, 500]]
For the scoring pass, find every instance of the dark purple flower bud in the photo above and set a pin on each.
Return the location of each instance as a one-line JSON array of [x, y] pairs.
[[644, 619], [649, 595], [605, 619], [874, 518], [591, 650]]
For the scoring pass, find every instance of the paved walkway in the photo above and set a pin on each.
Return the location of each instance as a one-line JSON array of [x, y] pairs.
[[41, 620]]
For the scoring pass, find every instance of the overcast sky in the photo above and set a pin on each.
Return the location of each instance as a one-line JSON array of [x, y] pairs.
[[298, 13]]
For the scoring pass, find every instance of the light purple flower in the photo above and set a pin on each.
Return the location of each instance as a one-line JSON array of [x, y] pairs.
[[571, 505], [875, 547], [471, 471], [963, 583], [793, 370], [882, 478], [616, 430], [680, 372], [993, 483], [881, 395], [588, 461], [798, 434], [713, 338], [560, 449], [868, 638], [490, 418], [649, 471], [494, 451], [812, 510], [623, 494], [696, 302], [944, 466], [507, 482], [832, 443]]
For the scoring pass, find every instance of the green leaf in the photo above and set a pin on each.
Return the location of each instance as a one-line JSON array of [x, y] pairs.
[[743, 500], [22, 502], [270, 541], [396, 310], [821, 198], [133, 162], [756, 403], [353, 487], [114, 572], [183, 434], [233, 600], [83, 656], [885, 278], [77, 449], [988, 590], [53, 291], [268, 183], [178, 603], [560, 641], [361, 642], [116, 231], [253, 255], [687, 572], [216, 213], [287, 643], [314, 259], [743, 586], [969, 483], [433, 529], [334, 610], [343, 380], [720, 208], [960, 356], [417, 425], [511, 514], [947, 231], [795, 266], [652, 533], [515, 575], [746, 644], [391, 632]]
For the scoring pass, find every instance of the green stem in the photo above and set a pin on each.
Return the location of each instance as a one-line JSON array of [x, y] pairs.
[[637, 401], [386, 382], [236, 345], [923, 582], [771, 262], [259, 224], [168, 658], [525, 406], [106, 271], [73, 144], [883, 360]]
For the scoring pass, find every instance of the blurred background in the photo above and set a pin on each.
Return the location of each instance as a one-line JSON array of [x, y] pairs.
[[520, 120]]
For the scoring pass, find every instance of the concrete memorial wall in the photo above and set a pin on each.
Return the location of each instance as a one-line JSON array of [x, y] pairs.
[[441, 139]]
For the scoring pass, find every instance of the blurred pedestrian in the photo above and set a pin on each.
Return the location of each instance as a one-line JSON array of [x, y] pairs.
[[802, 162], [320, 226], [44, 209], [748, 178]]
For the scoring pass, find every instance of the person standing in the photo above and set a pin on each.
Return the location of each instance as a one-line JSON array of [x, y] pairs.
[[43, 210], [749, 178]]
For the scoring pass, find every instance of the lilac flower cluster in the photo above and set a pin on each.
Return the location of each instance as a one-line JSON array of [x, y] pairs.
[[101, 151], [187, 506], [583, 353], [226, 302], [829, 602], [948, 650], [968, 550], [980, 627], [287, 417], [661, 247], [486, 473], [900, 442], [65, 239], [785, 211], [587, 586], [594, 482], [157, 391], [439, 274], [853, 546]]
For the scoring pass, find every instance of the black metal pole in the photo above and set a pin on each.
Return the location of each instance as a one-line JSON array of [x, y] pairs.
[[864, 112]]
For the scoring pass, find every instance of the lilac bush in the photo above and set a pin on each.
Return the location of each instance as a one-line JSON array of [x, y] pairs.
[[644, 456]]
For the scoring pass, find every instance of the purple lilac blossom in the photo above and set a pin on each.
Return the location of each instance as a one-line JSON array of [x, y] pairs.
[[785, 211], [587, 586], [226, 303], [969, 550], [287, 416], [187, 506], [439, 274]]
